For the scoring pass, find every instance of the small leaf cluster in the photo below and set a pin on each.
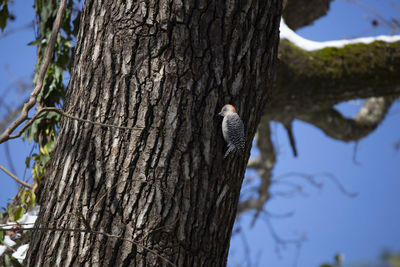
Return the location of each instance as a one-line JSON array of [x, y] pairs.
[[4, 14]]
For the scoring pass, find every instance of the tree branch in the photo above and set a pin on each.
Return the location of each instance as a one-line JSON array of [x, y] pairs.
[[299, 13], [12, 31], [10, 117], [42, 72], [15, 177], [311, 81], [69, 116], [289, 129], [335, 125], [264, 164]]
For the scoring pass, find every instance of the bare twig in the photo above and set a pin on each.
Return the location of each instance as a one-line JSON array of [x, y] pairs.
[[76, 230], [15, 177], [11, 31], [311, 178], [246, 246], [42, 72], [355, 150], [8, 157], [69, 116], [10, 117], [280, 241], [289, 129], [397, 145], [392, 25]]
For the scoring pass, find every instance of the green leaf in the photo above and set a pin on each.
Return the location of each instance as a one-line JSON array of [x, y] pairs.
[[28, 162], [10, 212], [19, 213], [36, 42], [4, 16], [32, 200], [23, 197]]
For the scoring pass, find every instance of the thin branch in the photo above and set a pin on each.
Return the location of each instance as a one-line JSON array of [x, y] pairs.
[[280, 241], [311, 178], [76, 230], [279, 216], [12, 31], [42, 72], [397, 145], [289, 129], [245, 244], [8, 157], [15, 177], [355, 161], [69, 116], [390, 24], [10, 117]]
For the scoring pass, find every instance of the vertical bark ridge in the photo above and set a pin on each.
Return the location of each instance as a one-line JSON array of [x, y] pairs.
[[164, 67]]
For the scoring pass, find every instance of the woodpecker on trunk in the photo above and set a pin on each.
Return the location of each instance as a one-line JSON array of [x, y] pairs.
[[232, 130]]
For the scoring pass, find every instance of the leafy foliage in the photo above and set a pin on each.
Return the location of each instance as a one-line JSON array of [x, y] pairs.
[[44, 130]]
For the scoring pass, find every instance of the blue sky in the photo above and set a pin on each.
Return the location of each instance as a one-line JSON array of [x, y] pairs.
[[332, 222]]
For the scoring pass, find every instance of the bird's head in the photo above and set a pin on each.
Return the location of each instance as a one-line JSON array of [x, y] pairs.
[[226, 110]]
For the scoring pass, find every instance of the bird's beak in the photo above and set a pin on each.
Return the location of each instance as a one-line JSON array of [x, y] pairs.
[[219, 114]]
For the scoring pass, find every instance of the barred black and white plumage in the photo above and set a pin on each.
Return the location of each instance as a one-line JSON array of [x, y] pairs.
[[232, 130]]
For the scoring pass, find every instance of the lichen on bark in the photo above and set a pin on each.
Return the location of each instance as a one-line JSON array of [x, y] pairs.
[[331, 75]]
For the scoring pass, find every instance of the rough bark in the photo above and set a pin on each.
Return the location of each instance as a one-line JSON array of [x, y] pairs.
[[164, 68]]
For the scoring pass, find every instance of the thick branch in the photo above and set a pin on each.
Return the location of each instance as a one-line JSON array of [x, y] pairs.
[[338, 127], [299, 13], [318, 80]]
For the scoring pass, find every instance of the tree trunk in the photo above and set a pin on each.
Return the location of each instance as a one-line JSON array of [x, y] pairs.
[[161, 191]]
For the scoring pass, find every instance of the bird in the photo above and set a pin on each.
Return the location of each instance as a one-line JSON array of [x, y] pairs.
[[232, 130]]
